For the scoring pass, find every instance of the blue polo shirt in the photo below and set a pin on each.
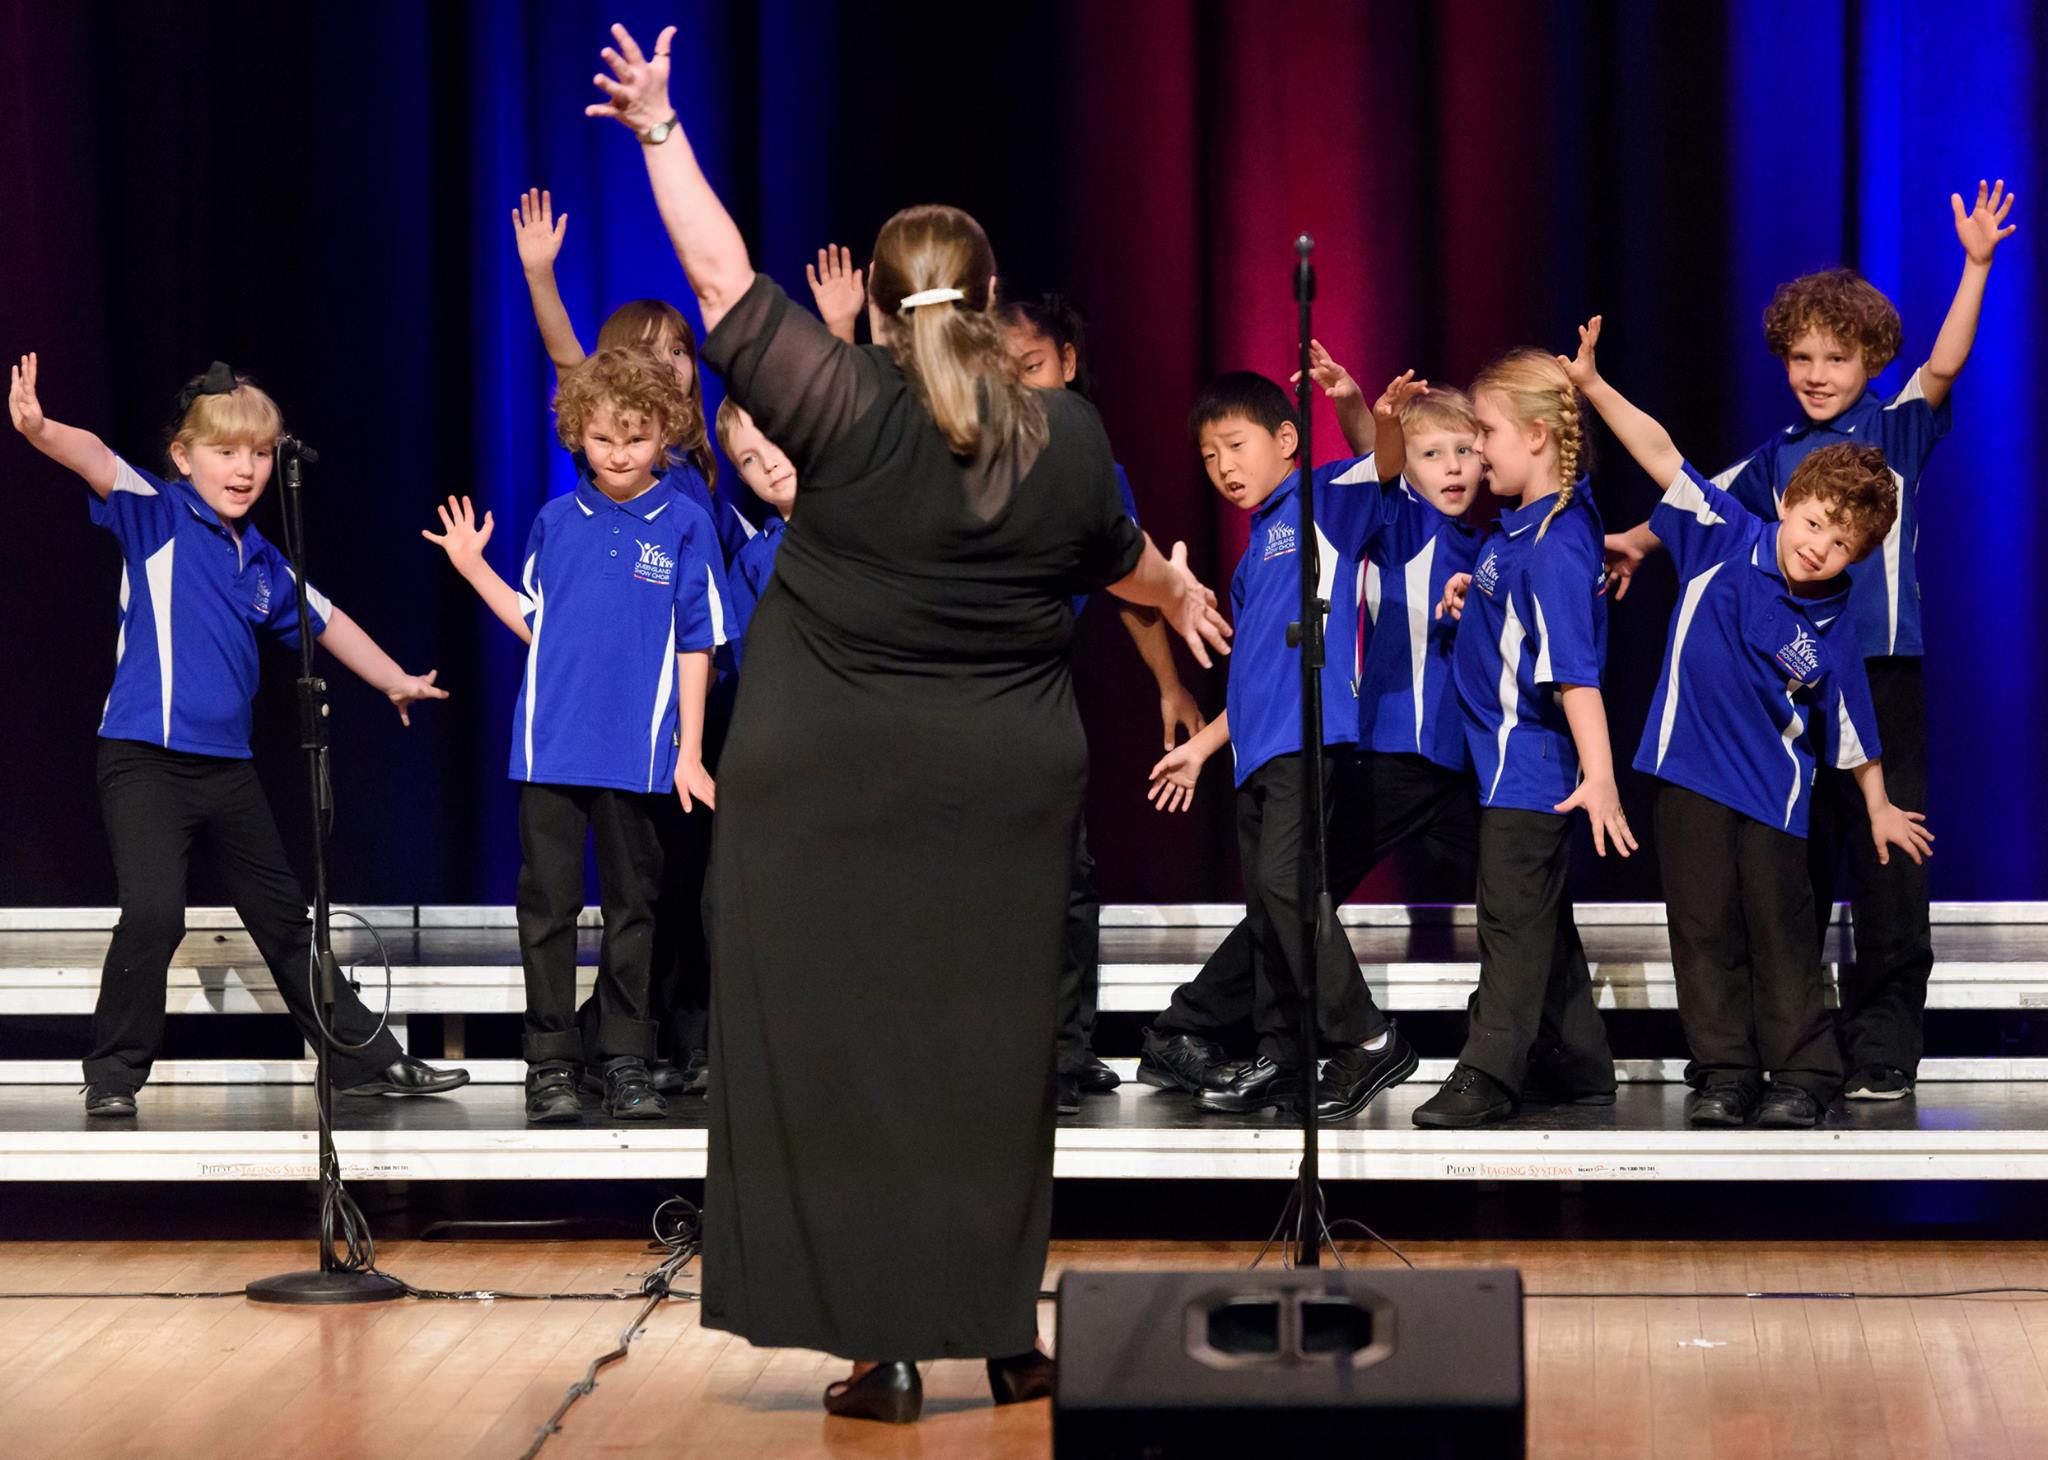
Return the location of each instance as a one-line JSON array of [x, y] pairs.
[[1264, 696], [1751, 673], [734, 531], [1405, 701], [612, 592], [1535, 620], [1884, 594], [1123, 487], [749, 575], [193, 600]]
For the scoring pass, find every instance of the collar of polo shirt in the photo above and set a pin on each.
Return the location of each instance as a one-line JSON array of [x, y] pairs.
[[1850, 422], [645, 506]]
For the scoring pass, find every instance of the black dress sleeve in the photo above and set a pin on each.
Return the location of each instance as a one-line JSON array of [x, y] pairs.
[[1110, 542], [804, 388]]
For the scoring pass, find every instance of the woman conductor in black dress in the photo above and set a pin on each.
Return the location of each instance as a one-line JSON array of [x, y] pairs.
[[898, 799]]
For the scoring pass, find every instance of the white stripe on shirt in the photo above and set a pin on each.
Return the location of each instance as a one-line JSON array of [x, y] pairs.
[[534, 601], [1510, 699], [663, 687], [1695, 589], [1791, 733], [1416, 579], [157, 568]]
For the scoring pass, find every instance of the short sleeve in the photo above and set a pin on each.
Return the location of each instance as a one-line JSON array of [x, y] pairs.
[[803, 387], [703, 594], [282, 621], [734, 531], [1698, 523], [138, 511], [1909, 427], [530, 595], [1350, 507], [1848, 722], [1565, 583], [1751, 481]]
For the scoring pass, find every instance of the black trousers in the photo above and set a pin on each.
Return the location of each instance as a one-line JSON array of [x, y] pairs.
[[1883, 981], [1535, 994], [160, 806], [1080, 970], [1378, 802], [553, 821], [679, 979], [1752, 994]]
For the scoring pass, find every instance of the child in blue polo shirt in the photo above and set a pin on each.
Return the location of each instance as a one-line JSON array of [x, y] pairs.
[[771, 476], [1834, 331], [1760, 661], [200, 588], [1527, 668], [622, 600], [1244, 425]]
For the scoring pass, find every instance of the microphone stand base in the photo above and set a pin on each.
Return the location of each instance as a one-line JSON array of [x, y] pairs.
[[324, 1285]]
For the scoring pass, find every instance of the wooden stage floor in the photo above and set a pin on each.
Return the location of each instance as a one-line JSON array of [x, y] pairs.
[[1611, 1376]]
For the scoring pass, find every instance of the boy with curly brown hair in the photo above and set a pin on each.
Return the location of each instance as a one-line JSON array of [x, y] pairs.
[[1834, 331]]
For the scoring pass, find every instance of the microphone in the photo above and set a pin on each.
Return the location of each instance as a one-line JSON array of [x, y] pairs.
[[1304, 271], [292, 445]]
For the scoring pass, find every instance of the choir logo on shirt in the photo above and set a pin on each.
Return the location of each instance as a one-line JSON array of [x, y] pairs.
[[262, 604], [655, 566], [1486, 577], [1801, 657], [1279, 540]]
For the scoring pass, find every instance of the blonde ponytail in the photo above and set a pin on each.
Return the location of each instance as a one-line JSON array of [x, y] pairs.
[[953, 351], [1535, 391]]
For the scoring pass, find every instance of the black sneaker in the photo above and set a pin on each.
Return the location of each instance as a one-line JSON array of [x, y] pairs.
[[1096, 1078], [1719, 1105], [1180, 1061], [551, 1094], [1248, 1085], [697, 1073], [1352, 1077], [105, 1102], [1066, 1096], [667, 1076], [629, 1092], [1787, 1107], [1470, 1097], [1879, 1082]]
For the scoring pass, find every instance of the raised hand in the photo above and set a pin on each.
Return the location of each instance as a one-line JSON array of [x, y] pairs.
[[1906, 830], [694, 785], [1454, 595], [638, 86], [838, 288], [1402, 389], [537, 231], [1193, 612], [1173, 778], [1602, 805], [1334, 379], [1584, 373], [23, 409], [1979, 230], [461, 536], [410, 690]]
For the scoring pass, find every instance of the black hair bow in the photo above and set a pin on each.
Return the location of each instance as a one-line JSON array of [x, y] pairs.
[[219, 379]]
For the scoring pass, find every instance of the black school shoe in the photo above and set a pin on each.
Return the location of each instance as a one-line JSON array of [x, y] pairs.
[[1247, 1085], [1470, 1097], [1096, 1078], [551, 1094], [1180, 1061], [408, 1076], [629, 1092], [1351, 1077], [1787, 1107], [104, 1102], [1719, 1105], [1879, 1082], [1066, 1095]]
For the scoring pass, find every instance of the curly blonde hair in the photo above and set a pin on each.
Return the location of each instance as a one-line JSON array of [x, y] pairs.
[[631, 380], [643, 322], [1535, 391], [1838, 302], [1854, 486]]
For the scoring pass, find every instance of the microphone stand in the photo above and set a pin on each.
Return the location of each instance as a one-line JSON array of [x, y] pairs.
[[336, 1280], [1317, 916]]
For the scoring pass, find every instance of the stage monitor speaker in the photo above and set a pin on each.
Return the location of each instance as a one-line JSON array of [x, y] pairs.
[[1396, 1363]]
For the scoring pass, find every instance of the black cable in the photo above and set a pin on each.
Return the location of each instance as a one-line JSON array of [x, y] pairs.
[[1328, 1231]]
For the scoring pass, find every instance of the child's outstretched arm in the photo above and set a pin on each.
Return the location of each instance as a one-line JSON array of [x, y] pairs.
[[1178, 710], [1173, 778], [463, 539], [1889, 826], [1168, 585], [1586, 713], [346, 640], [838, 289], [1980, 231], [81, 451], [1638, 432], [1389, 442], [1353, 417], [693, 683], [538, 233], [707, 242]]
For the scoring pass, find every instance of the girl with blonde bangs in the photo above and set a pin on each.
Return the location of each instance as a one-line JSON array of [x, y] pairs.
[[1531, 648]]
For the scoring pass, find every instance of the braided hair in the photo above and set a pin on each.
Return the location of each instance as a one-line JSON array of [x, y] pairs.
[[1536, 391]]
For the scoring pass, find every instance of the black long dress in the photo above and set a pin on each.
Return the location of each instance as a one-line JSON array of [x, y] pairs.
[[897, 808]]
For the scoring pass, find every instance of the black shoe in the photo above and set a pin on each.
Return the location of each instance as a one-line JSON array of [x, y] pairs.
[[629, 1092], [1468, 1098], [408, 1076], [1096, 1078], [551, 1094], [1066, 1098], [104, 1102], [1547, 1083], [667, 1077], [1180, 1061], [1351, 1078], [1248, 1085], [1725, 1105], [1020, 1378], [1879, 1082], [1787, 1107], [891, 1393], [697, 1073]]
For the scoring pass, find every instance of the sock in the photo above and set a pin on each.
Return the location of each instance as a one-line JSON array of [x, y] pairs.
[[1374, 1046]]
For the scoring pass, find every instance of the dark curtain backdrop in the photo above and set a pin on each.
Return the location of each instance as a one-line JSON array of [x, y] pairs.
[[319, 194]]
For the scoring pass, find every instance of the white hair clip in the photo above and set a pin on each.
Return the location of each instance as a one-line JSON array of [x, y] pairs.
[[930, 296]]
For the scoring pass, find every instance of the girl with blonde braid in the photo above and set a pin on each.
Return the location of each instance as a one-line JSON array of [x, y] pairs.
[[1527, 670]]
